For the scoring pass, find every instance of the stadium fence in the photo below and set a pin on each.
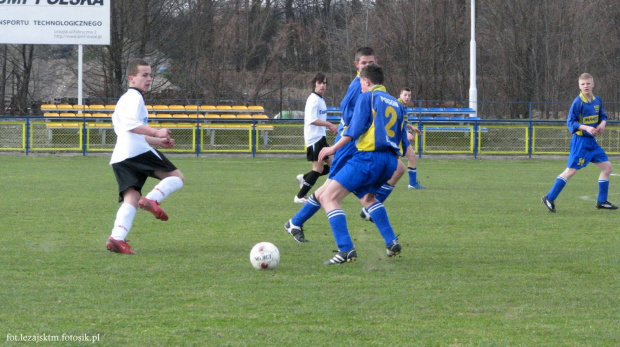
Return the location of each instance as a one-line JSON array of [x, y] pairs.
[[199, 136]]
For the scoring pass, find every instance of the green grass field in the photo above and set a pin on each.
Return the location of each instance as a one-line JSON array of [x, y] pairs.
[[483, 261]]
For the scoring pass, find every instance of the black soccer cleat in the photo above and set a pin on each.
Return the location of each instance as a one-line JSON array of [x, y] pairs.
[[550, 205], [393, 249], [606, 205], [365, 215], [342, 257], [295, 231]]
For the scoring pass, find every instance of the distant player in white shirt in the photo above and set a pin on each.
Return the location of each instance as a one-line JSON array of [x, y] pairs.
[[133, 159], [315, 122]]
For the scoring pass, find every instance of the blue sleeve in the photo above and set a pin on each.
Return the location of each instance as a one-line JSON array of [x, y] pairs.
[[347, 105], [602, 116], [573, 121], [361, 119]]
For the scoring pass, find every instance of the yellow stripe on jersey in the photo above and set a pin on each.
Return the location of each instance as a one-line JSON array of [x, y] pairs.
[[366, 142]]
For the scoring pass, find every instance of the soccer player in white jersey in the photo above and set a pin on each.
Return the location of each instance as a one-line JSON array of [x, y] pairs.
[[315, 124], [133, 158]]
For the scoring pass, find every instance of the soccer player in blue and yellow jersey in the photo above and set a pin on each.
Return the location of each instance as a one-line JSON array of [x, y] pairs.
[[377, 129], [412, 158], [586, 119], [363, 56]]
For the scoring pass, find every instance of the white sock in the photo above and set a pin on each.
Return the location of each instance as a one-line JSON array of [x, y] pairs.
[[124, 219], [165, 188]]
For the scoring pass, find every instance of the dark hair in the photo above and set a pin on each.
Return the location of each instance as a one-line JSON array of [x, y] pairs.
[[320, 77], [364, 51], [404, 90], [132, 68], [373, 72]]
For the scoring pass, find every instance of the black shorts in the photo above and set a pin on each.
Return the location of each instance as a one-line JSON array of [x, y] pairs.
[[312, 152], [133, 172]]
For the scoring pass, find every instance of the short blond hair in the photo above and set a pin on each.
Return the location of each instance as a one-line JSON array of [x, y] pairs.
[[586, 76]]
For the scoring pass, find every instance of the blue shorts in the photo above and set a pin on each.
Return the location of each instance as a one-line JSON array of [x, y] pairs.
[[584, 150], [341, 157], [366, 172]]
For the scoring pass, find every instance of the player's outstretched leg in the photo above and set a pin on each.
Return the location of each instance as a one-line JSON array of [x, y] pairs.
[[153, 207], [119, 246], [295, 231], [380, 218], [162, 190]]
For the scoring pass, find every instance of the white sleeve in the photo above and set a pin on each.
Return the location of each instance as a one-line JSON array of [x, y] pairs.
[[311, 112], [127, 114]]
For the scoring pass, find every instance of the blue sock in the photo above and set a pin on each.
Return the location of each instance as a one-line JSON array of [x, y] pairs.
[[380, 218], [413, 176], [559, 184], [307, 211], [603, 189], [384, 192], [338, 222]]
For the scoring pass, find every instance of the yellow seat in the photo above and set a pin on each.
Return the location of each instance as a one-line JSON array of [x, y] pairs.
[[110, 107], [212, 116], [46, 107], [67, 114], [196, 115], [240, 108], [160, 108], [191, 108], [176, 108], [86, 114], [244, 116], [164, 115], [180, 116], [51, 114], [96, 107], [64, 107], [260, 116], [229, 116], [149, 107], [80, 107], [224, 108], [207, 108], [256, 108], [100, 114]]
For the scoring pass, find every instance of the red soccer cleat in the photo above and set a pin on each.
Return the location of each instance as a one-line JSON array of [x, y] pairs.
[[153, 207], [118, 246]]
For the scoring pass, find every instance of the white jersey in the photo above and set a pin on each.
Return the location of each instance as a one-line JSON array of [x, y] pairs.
[[129, 114], [315, 109]]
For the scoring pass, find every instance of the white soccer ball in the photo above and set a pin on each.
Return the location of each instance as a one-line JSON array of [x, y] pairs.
[[264, 256]]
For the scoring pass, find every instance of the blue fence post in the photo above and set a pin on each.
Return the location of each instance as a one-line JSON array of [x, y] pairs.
[[420, 138], [198, 137], [27, 135], [253, 138], [531, 131], [476, 128], [84, 136]]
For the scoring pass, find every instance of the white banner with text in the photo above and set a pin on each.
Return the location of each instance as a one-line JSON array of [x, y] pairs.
[[55, 22]]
